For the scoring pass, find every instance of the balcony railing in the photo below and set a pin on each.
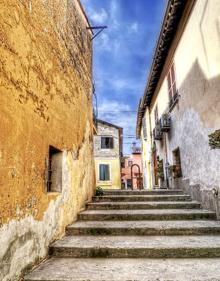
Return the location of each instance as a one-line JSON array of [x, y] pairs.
[[157, 132], [165, 122]]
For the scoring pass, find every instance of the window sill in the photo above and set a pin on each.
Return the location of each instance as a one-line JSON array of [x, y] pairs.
[[105, 182], [54, 194]]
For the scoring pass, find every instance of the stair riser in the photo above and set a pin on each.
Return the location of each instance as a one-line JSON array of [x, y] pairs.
[[155, 216], [143, 192], [140, 198], [142, 206], [136, 253], [141, 232]]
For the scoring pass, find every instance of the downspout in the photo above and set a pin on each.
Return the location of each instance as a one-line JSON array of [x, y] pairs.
[[166, 164]]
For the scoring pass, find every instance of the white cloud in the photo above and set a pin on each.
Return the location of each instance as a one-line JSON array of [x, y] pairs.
[[134, 27], [104, 43], [118, 84], [114, 10], [98, 17], [120, 114]]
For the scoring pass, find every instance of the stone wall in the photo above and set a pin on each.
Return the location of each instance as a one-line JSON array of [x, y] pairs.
[[106, 131], [45, 99]]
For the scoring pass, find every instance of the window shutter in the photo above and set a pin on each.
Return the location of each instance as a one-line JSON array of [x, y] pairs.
[[111, 143], [104, 172]]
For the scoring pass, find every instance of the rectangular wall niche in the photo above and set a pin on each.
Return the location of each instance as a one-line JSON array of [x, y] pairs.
[[54, 178]]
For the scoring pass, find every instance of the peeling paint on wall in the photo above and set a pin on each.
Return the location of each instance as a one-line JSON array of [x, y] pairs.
[[45, 99]]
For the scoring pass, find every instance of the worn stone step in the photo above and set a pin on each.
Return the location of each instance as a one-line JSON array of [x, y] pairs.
[[134, 198], [143, 192], [144, 228], [143, 205], [160, 214], [70, 269], [137, 246]]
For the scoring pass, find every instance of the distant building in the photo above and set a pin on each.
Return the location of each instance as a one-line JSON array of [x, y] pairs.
[[108, 153], [179, 115], [130, 173]]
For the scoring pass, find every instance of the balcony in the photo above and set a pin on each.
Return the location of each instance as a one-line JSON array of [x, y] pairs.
[[157, 132], [165, 122]]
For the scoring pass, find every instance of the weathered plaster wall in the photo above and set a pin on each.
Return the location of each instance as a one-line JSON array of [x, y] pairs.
[[106, 131], [198, 81], [146, 153], [45, 99], [108, 156], [197, 64]]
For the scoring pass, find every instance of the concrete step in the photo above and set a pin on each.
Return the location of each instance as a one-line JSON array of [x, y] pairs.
[[70, 269], [137, 246], [160, 214], [134, 198], [143, 205], [143, 192], [144, 228]]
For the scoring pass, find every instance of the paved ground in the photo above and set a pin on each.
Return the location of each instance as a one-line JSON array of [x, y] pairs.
[[188, 227], [127, 270], [137, 227]]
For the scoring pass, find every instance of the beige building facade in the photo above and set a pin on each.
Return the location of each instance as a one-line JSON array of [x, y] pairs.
[[108, 153], [46, 145], [181, 104]]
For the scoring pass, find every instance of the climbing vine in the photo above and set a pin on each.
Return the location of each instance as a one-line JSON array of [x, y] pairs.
[[214, 140]]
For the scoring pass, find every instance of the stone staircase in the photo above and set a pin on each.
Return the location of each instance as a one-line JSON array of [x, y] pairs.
[[137, 235]]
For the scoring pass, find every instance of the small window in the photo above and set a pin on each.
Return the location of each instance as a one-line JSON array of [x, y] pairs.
[[171, 81], [54, 177], [107, 143], [130, 163], [104, 172]]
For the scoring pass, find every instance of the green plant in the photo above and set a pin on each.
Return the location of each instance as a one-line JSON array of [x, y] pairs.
[[99, 191], [214, 140]]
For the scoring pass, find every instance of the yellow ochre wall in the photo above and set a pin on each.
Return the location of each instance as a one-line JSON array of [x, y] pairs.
[[115, 173], [45, 99]]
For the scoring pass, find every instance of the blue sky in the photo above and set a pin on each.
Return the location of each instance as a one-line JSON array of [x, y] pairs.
[[122, 56]]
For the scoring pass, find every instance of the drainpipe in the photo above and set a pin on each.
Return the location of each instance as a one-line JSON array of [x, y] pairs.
[[166, 164], [151, 141]]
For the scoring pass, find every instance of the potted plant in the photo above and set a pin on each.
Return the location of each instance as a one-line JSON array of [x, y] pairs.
[[214, 140], [99, 191]]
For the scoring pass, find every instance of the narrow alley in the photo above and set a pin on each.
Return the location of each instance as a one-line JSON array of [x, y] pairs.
[[110, 140]]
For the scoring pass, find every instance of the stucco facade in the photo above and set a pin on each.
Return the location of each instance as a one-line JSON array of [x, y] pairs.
[[132, 179], [108, 156], [195, 54], [45, 101]]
